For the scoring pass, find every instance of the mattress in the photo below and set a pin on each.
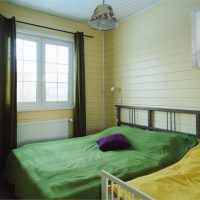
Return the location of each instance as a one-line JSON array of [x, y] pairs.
[[70, 168], [180, 181]]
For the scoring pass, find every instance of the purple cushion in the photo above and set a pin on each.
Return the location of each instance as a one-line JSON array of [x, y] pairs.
[[113, 142]]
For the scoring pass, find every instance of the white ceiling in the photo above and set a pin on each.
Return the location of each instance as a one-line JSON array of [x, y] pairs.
[[81, 10]]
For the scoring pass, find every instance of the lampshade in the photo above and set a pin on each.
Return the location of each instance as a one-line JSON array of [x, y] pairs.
[[103, 18]]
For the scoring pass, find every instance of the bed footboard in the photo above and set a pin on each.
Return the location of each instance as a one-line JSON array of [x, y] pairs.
[[111, 188]]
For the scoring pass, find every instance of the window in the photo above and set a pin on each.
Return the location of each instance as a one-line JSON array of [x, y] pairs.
[[196, 37], [44, 73]]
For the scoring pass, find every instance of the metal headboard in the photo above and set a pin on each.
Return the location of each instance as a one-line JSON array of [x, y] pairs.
[[170, 117]]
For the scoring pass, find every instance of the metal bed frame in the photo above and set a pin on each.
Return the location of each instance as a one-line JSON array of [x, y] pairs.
[[170, 117], [108, 181]]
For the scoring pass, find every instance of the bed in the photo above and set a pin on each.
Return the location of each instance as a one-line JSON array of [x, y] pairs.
[[71, 168], [180, 181]]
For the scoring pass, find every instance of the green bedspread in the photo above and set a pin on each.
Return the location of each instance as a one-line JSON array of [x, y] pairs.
[[70, 168]]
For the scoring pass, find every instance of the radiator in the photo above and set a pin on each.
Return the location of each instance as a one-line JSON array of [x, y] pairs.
[[37, 131]]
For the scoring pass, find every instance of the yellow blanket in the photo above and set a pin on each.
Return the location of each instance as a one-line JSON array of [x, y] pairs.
[[180, 181]]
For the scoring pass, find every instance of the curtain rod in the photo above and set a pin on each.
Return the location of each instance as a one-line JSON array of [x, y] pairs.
[[54, 29]]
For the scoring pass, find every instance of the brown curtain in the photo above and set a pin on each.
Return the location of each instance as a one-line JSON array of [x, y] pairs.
[[8, 100], [80, 107]]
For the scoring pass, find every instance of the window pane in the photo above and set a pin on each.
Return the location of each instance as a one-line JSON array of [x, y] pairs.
[[19, 66], [19, 92], [63, 55], [51, 67], [56, 72], [51, 91], [19, 70], [29, 71], [29, 91], [26, 70], [29, 50], [51, 77], [63, 69], [63, 78], [19, 76], [50, 53], [19, 45], [62, 92]]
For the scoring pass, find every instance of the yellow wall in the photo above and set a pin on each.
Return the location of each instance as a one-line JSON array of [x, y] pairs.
[[149, 58], [93, 63]]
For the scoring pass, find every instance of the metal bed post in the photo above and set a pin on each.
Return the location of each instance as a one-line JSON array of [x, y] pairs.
[[104, 187], [174, 121], [150, 121], [130, 120], [118, 116], [198, 124], [167, 121]]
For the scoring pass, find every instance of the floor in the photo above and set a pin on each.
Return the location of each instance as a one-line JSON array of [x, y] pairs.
[[6, 190]]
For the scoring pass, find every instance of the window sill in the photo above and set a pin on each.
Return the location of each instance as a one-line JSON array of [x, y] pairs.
[[43, 108]]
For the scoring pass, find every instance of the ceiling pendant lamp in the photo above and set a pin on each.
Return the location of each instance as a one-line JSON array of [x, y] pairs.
[[103, 18]]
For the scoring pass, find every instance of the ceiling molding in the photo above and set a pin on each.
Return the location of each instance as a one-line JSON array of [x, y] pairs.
[[81, 10]]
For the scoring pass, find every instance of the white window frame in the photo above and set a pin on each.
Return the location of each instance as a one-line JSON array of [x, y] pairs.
[[40, 103], [195, 39]]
